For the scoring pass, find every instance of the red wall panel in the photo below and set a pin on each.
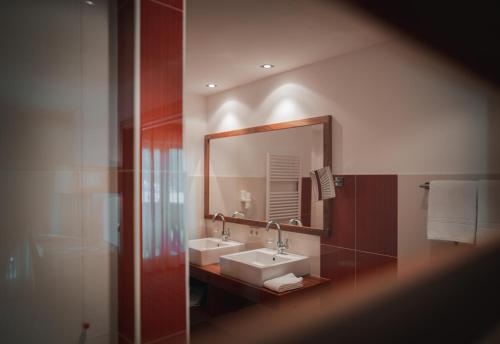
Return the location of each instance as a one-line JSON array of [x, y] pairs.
[[338, 264], [163, 254], [163, 279], [368, 263], [377, 214], [343, 216], [161, 62], [364, 228], [173, 3]]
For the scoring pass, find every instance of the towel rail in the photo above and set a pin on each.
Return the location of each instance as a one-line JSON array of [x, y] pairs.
[[425, 185]]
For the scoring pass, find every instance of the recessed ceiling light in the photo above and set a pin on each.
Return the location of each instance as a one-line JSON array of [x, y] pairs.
[[267, 66], [90, 2], [211, 85]]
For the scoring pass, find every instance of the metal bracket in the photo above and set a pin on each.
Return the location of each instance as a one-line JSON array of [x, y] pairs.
[[338, 181], [425, 185]]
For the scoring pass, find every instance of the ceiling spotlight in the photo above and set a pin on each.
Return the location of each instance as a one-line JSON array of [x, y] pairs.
[[211, 85], [267, 66], [90, 2]]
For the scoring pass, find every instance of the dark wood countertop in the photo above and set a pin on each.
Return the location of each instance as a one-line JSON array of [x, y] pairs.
[[211, 275]]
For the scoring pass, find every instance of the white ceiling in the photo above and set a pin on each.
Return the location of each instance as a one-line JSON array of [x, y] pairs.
[[227, 40]]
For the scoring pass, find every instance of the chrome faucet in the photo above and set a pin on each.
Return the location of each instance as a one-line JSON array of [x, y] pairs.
[[225, 232], [238, 213], [280, 245], [295, 222]]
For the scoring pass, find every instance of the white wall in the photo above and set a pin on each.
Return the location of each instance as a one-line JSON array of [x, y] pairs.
[[194, 131], [395, 111]]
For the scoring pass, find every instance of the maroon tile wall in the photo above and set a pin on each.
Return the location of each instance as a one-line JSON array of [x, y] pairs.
[[367, 263], [338, 264], [176, 4], [343, 216], [376, 214], [364, 228]]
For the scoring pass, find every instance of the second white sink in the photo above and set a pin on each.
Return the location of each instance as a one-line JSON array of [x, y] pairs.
[[257, 266], [208, 250]]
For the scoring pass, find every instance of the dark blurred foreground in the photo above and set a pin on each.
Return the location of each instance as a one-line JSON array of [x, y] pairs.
[[452, 298]]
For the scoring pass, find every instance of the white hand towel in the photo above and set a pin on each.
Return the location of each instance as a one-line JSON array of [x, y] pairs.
[[284, 283], [488, 210], [452, 211]]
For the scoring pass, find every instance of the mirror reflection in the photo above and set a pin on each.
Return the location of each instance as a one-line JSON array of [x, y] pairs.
[[267, 176]]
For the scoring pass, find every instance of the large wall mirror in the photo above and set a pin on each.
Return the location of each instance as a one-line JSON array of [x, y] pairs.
[[258, 174]]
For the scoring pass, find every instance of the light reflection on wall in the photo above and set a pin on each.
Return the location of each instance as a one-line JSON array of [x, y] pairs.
[[287, 102], [229, 114], [284, 102]]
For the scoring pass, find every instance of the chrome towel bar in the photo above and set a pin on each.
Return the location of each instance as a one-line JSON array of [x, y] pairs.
[[425, 185]]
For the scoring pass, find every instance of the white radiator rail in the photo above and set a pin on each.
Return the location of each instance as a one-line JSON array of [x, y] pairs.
[[283, 172]]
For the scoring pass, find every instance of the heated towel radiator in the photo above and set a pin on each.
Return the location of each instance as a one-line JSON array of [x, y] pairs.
[[283, 187]]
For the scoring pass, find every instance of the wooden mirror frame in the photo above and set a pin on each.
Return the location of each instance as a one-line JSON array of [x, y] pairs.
[[326, 121]]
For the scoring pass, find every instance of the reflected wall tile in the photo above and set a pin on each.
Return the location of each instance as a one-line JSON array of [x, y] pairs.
[[225, 195], [41, 137], [40, 256], [47, 131], [100, 219], [306, 245], [41, 203], [100, 290], [101, 206], [106, 339], [98, 98], [59, 300]]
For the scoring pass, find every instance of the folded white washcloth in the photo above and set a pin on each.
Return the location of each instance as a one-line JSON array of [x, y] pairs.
[[284, 283]]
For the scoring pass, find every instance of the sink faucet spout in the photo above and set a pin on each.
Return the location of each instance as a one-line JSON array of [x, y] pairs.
[[280, 245], [225, 232]]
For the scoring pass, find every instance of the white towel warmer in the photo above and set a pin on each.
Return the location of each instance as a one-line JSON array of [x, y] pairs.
[[283, 187]]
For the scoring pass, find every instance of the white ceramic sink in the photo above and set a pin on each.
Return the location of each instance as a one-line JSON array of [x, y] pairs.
[[257, 266], [208, 250]]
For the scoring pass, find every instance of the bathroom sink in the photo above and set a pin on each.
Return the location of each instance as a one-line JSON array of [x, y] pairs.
[[257, 266], [208, 250]]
